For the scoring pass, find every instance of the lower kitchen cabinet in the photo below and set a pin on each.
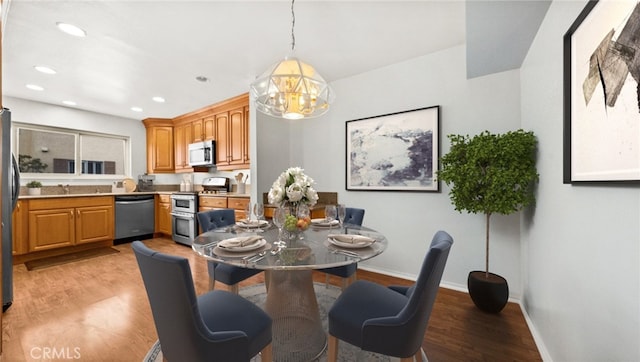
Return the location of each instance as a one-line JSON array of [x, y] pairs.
[[163, 215], [238, 204], [19, 230], [60, 222]]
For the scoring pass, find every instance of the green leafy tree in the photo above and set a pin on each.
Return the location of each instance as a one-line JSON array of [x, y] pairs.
[[29, 164], [491, 173]]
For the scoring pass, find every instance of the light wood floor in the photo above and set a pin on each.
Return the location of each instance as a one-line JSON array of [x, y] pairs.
[[97, 310]]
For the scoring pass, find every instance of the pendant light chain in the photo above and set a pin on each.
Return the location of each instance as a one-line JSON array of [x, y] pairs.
[[293, 24]]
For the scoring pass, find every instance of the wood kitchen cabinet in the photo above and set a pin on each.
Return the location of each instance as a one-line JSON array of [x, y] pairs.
[[238, 204], [19, 228], [232, 139], [60, 222], [212, 202], [204, 129], [163, 215], [160, 145], [183, 137]]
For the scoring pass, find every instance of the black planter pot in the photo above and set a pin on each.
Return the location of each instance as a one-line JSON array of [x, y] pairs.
[[488, 294]]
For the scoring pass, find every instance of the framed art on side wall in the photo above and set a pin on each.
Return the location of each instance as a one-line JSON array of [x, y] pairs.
[[394, 152], [602, 94]]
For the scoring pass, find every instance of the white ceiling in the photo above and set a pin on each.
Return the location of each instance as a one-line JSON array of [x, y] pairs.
[[135, 50]]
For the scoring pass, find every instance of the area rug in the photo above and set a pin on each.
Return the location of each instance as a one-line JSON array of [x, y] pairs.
[[69, 258], [326, 297]]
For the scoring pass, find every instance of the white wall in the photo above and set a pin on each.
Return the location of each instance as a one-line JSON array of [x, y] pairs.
[[582, 247], [409, 220]]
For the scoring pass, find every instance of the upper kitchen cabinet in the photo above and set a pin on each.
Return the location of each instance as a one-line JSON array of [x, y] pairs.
[[232, 135], [182, 138], [160, 155]]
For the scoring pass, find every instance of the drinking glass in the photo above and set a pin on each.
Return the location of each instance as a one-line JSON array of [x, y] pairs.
[[258, 210], [342, 213], [279, 217], [247, 212], [330, 212]]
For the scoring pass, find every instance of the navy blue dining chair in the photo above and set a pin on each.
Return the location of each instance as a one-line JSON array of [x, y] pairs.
[[353, 216], [216, 326], [389, 320], [224, 273]]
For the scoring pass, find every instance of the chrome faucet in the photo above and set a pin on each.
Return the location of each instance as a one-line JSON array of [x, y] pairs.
[[65, 188]]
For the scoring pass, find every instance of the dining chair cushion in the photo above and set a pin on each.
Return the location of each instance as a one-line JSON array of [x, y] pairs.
[[230, 274], [361, 301], [228, 313], [344, 271]]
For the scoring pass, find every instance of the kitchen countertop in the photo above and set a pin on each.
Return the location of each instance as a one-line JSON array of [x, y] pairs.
[[35, 197]]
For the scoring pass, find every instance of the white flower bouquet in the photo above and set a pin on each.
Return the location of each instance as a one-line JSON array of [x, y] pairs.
[[294, 187]]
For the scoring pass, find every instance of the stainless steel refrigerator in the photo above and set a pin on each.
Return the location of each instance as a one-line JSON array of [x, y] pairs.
[[10, 191]]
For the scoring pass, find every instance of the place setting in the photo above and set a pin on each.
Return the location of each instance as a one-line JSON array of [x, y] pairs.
[[337, 243], [245, 247], [334, 216], [257, 224]]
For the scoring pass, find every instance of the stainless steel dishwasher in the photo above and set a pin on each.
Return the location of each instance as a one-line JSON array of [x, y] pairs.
[[135, 216]]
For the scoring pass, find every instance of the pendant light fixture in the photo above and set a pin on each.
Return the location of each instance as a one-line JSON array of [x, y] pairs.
[[292, 89]]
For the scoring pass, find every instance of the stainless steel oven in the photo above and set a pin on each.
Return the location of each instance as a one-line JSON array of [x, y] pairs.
[[184, 206]]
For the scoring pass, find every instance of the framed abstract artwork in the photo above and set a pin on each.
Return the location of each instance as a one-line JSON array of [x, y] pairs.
[[602, 94], [394, 152]]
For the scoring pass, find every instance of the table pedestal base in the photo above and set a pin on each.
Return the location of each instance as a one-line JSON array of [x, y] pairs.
[[297, 329]]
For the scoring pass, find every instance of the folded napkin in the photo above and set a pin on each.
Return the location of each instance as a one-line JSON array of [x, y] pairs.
[[240, 241], [352, 239], [324, 222], [250, 222]]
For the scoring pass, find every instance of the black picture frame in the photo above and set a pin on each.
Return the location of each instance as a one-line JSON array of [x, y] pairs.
[[394, 152], [601, 115]]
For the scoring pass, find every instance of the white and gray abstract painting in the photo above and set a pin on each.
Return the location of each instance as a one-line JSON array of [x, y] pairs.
[[395, 151]]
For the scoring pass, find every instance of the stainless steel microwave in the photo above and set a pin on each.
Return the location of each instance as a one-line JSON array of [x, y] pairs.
[[202, 154]]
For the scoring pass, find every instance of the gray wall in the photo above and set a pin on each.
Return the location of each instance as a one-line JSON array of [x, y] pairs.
[[409, 220], [581, 250]]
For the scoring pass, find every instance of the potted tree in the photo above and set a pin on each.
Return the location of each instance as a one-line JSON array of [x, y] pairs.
[[490, 173], [33, 187]]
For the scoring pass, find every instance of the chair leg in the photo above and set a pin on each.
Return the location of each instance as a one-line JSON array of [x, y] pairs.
[[234, 288], [212, 283], [326, 281], [266, 279], [266, 355], [332, 352]]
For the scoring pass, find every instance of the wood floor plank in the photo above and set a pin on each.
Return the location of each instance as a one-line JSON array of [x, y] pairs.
[[98, 307]]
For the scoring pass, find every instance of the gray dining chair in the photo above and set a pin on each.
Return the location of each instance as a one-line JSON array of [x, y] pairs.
[[224, 273], [347, 273], [216, 326], [389, 320]]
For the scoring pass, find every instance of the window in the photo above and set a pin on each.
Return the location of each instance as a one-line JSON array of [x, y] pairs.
[[57, 152]]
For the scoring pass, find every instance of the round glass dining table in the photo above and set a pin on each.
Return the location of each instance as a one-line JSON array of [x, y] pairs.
[[291, 302]]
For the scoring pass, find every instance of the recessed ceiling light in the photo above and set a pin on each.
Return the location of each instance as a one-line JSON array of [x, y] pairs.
[[44, 69], [136, 109], [69, 103], [35, 87], [202, 78], [71, 29], [158, 99]]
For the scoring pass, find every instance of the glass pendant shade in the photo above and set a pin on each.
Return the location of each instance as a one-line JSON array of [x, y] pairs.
[[292, 89]]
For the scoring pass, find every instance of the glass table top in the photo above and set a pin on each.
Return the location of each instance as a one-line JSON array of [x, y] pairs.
[[313, 249]]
